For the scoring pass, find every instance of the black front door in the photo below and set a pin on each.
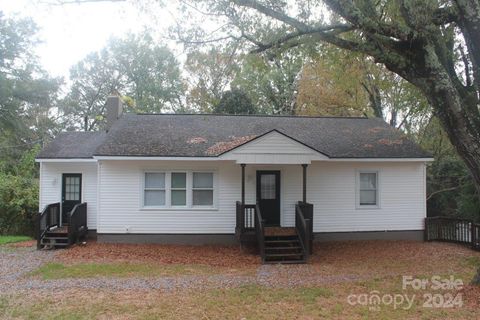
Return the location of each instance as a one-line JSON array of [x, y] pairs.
[[71, 193], [268, 196]]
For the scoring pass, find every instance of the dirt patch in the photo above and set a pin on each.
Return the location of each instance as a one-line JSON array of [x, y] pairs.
[[218, 256]]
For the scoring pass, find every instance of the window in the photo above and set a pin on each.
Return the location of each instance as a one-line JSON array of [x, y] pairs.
[[368, 189], [202, 190], [179, 189], [154, 193]]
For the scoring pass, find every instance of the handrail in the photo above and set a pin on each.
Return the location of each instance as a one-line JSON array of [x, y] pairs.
[[48, 218], [452, 230], [302, 226], [260, 232], [77, 226]]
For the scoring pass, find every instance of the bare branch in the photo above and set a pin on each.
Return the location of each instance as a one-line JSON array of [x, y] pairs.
[[440, 191]]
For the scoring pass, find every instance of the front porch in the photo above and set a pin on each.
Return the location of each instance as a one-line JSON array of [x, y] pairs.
[[56, 229], [259, 223]]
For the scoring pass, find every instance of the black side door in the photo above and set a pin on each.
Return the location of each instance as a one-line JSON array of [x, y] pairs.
[[71, 193], [268, 196]]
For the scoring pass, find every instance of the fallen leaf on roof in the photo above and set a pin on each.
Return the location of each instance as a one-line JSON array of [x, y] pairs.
[[375, 129], [223, 146], [368, 145], [389, 142], [197, 140]]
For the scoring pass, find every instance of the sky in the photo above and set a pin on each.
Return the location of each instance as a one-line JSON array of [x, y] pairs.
[[69, 32]]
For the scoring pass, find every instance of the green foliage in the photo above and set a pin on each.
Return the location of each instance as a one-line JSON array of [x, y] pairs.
[[146, 73], [92, 270], [27, 94], [13, 239], [19, 196], [450, 187], [271, 83], [235, 102]]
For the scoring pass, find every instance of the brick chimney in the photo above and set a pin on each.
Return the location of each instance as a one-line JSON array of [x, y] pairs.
[[114, 110]]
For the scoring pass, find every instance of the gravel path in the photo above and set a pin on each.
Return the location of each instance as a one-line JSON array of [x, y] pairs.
[[16, 263]]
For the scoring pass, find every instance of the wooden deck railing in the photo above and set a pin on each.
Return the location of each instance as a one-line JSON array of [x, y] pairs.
[[48, 218], [303, 228], [452, 230], [77, 227]]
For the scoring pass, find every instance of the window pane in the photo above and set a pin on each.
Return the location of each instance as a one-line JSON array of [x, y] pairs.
[[368, 197], [202, 197], [267, 186], [155, 180], [179, 197], [179, 180], [154, 198], [203, 180], [368, 180]]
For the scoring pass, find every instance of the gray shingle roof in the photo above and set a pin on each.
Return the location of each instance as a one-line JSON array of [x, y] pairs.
[[72, 145], [211, 135]]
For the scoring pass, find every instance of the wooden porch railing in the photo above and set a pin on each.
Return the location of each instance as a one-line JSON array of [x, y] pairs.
[[307, 211], [453, 230], [77, 226], [260, 232], [303, 228], [48, 218], [245, 217]]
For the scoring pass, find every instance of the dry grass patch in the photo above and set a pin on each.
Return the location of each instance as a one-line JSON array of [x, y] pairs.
[[248, 302]]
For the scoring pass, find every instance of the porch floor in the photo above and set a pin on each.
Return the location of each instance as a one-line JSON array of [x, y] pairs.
[[279, 231]]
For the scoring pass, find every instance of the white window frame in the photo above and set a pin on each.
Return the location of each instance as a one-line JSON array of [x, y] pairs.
[[170, 188], [213, 188], [144, 188], [189, 191], [357, 190]]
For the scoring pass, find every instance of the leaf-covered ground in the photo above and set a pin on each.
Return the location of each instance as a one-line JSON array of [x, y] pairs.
[[111, 281]]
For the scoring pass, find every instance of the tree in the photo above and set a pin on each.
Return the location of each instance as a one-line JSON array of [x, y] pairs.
[[210, 72], [434, 45], [271, 82], [27, 93], [235, 101], [146, 74]]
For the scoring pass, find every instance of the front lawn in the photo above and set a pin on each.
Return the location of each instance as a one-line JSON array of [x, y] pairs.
[[13, 239], [93, 270], [246, 302]]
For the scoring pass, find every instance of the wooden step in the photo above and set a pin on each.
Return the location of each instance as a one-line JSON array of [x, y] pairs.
[[284, 248]]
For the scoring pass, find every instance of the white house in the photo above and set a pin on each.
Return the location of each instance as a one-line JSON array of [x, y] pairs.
[[183, 178]]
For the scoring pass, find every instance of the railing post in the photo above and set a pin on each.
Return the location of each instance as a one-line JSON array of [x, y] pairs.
[[425, 230], [243, 183], [473, 237], [39, 232], [304, 191]]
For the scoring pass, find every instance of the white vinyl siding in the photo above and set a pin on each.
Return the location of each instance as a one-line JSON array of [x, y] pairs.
[[51, 185], [331, 187]]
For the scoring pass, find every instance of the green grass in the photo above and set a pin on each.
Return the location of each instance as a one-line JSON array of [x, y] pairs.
[[13, 239], [94, 270]]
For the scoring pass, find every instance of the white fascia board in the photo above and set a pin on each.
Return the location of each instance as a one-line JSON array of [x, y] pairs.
[[157, 158], [66, 160], [380, 159]]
